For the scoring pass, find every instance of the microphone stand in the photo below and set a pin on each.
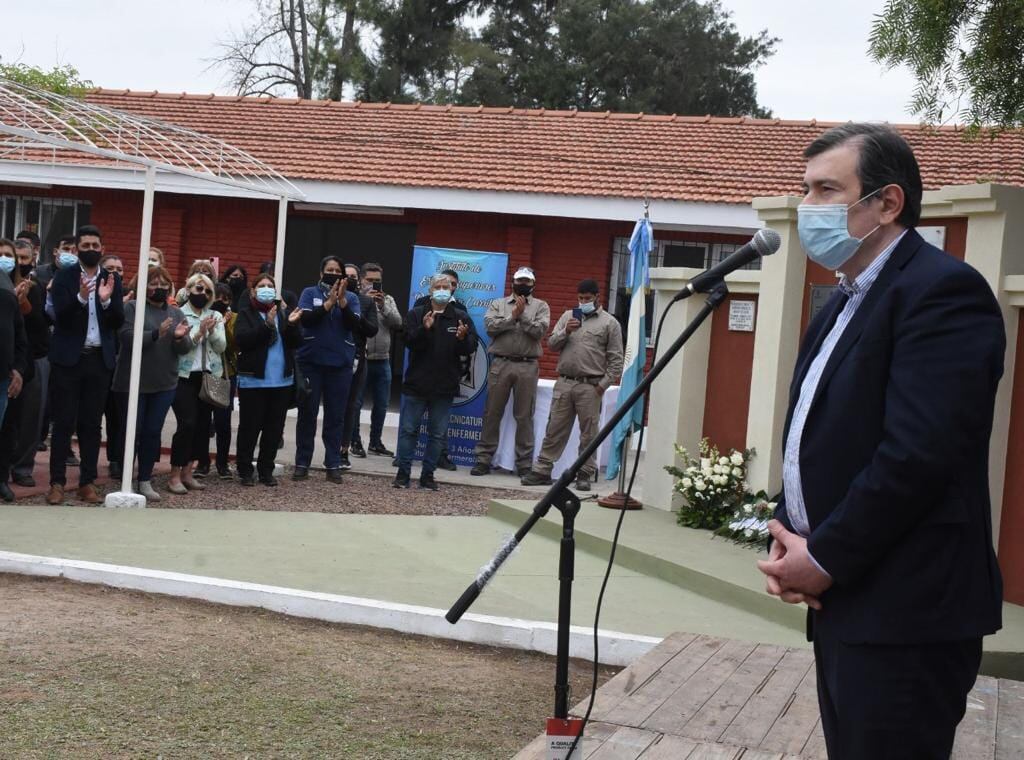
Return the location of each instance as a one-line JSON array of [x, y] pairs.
[[565, 501]]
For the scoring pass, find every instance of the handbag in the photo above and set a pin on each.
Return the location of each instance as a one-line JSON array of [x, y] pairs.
[[301, 389], [214, 390]]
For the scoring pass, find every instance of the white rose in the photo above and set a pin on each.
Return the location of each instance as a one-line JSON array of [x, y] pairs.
[[748, 533], [717, 470], [705, 463], [723, 460], [737, 472], [748, 509], [687, 483], [737, 458], [700, 485]]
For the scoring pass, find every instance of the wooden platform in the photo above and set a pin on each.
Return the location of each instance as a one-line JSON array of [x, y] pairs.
[[698, 697]]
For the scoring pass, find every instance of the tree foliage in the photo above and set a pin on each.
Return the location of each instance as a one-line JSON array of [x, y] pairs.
[[63, 80], [967, 57], [655, 56]]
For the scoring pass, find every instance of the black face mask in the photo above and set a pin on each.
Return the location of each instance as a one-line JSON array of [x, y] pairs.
[[237, 284], [89, 258], [158, 295], [522, 290], [25, 269], [199, 300], [329, 278], [353, 285], [219, 306]]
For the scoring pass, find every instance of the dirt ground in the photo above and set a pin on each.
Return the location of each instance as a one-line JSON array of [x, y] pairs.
[[92, 672], [358, 494]]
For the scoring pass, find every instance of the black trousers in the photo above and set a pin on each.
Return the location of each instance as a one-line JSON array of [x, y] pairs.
[[261, 414], [79, 394], [116, 416], [191, 440], [9, 435], [893, 701], [355, 391]]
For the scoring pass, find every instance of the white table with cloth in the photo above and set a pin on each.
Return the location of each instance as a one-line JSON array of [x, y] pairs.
[[505, 456]]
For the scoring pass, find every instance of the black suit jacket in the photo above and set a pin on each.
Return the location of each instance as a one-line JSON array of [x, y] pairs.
[[894, 454], [72, 318]]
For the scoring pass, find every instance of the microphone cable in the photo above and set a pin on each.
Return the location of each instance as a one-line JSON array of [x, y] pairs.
[[615, 540]]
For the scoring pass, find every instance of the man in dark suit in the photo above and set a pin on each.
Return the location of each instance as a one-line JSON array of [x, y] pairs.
[[89, 308], [884, 528]]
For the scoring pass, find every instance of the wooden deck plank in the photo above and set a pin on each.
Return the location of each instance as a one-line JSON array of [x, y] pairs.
[[676, 711], [636, 708], [715, 716], [709, 751], [749, 728], [815, 747], [795, 723], [595, 736], [668, 747], [635, 676], [1010, 721], [625, 744], [976, 734]]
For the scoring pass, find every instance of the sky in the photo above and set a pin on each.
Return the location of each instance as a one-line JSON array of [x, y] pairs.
[[821, 70]]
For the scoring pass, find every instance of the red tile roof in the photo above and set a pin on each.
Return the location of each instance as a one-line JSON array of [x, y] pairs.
[[685, 158]]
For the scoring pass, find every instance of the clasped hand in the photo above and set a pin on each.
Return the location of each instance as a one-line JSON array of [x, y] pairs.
[[789, 571]]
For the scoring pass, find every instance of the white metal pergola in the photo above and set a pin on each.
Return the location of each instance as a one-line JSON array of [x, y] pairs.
[[42, 127]]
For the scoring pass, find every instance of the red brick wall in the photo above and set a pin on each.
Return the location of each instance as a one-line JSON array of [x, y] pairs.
[[1011, 531]]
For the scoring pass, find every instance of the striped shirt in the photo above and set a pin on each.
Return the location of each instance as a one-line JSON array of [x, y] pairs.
[[791, 478]]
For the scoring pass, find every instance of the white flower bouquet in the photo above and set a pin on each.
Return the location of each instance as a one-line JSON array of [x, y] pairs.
[[714, 485]]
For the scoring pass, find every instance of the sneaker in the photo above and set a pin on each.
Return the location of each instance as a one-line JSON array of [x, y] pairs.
[[533, 478], [201, 471], [401, 479], [268, 480], [480, 469], [334, 476], [346, 464], [444, 463], [224, 473], [247, 480], [357, 450], [428, 482], [300, 472], [394, 462], [379, 448], [582, 483]]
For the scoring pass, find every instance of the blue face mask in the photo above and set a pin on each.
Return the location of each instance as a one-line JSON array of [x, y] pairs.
[[6, 264], [588, 308], [824, 234], [266, 295], [441, 296], [68, 259]]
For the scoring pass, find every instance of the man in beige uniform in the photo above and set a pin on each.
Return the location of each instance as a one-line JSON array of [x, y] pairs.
[[590, 344], [516, 325]]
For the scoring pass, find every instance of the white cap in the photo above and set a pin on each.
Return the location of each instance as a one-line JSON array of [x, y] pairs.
[[524, 272]]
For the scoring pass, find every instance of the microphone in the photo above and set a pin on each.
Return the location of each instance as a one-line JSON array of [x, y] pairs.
[[764, 243]]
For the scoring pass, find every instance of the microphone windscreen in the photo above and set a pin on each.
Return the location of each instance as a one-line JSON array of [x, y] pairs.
[[767, 241]]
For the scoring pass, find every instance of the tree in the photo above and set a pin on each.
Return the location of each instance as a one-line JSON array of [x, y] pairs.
[[295, 46], [655, 56], [967, 57], [63, 80]]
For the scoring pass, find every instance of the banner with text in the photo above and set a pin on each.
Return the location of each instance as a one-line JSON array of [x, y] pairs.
[[481, 280]]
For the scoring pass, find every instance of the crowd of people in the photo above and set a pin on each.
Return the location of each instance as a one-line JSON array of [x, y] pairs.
[[225, 339]]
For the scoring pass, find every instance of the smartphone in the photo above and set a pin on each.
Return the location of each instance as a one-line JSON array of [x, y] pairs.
[[577, 314], [376, 286]]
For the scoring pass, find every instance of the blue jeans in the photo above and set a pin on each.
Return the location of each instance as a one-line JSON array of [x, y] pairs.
[[378, 386], [331, 384], [149, 424], [437, 410]]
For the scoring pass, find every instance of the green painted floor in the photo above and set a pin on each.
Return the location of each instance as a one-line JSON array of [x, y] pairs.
[[414, 560]]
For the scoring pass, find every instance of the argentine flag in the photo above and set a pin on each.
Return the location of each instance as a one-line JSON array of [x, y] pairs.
[[640, 244]]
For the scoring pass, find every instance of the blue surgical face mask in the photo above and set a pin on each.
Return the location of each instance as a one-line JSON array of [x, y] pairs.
[[6, 264], [68, 259], [824, 234], [588, 307], [266, 295], [441, 296]]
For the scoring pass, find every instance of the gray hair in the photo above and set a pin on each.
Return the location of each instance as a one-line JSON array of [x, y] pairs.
[[439, 277]]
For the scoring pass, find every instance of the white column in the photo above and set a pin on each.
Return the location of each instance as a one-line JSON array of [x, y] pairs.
[[776, 342], [282, 224], [125, 497]]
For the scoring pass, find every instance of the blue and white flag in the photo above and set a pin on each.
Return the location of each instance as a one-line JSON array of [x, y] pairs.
[[640, 244]]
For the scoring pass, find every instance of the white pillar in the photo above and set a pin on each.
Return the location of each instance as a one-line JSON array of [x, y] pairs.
[[125, 497], [282, 224], [776, 343]]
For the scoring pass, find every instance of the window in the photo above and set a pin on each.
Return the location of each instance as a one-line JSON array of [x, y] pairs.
[[50, 218], [666, 253]]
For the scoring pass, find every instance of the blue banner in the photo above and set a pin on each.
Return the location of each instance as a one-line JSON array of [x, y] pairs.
[[481, 280]]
